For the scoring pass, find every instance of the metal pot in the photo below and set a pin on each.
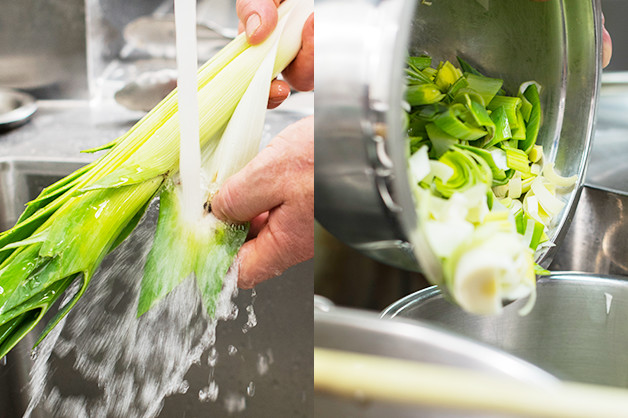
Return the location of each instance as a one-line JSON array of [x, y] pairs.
[[362, 191], [363, 332], [576, 330]]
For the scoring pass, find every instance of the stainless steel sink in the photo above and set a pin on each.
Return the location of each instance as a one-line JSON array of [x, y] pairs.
[[275, 355]]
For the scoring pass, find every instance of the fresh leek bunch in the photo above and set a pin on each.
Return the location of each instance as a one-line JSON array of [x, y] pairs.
[[64, 233], [485, 199]]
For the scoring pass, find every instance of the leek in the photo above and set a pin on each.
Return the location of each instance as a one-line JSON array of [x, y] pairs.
[[486, 198], [65, 232]]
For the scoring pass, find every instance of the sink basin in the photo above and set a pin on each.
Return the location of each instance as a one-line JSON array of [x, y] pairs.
[[264, 370]]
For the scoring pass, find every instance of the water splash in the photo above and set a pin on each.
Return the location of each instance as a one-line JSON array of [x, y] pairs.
[[250, 389], [251, 321], [135, 363], [264, 362], [209, 393], [235, 402], [212, 357]]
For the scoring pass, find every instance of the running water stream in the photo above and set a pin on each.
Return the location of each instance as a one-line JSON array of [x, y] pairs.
[[190, 151], [127, 365]]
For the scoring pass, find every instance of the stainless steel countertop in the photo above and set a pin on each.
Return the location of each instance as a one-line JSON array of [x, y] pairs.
[[608, 164], [60, 129]]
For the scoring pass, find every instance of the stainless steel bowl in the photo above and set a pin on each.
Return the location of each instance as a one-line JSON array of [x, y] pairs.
[[363, 332], [16, 108], [362, 192], [576, 331]]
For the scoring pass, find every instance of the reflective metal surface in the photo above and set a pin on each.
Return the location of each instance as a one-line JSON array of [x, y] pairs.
[[597, 240], [576, 330], [16, 108], [363, 332], [361, 182]]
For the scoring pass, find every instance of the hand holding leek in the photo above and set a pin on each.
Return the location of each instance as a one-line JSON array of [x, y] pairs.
[[258, 18], [276, 192]]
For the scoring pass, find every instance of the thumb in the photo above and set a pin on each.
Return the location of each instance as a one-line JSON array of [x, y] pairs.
[[258, 17]]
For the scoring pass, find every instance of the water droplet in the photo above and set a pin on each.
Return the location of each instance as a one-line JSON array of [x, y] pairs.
[[250, 389], [262, 364], [232, 350], [3, 361], [609, 300], [234, 312], [34, 353], [212, 357], [209, 393], [184, 386], [251, 319], [235, 403]]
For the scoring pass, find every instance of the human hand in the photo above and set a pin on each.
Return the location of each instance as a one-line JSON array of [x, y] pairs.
[[275, 192], [258, 18], [607, 43]]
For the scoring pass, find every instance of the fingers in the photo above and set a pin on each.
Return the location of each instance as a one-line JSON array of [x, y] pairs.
[[607, 46], [259, 18], [300, 73], [275, 191], [249, 192], [261, 184], [257, 224], [279, 91], [286, 240]]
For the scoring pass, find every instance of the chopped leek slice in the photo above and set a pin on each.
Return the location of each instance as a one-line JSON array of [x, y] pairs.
[[447, 75], [484, 86], [451, 122], [531, 93], [559, 181], [423, 94]]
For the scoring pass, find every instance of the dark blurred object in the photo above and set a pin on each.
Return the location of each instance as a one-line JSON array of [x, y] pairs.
[[16, 108], [349, 278], [43, 49], [147, 90]]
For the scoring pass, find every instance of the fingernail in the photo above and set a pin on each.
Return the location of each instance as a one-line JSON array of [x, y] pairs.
[[252, 24]]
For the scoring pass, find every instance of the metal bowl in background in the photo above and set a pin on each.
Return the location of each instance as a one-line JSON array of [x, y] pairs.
[[16, 108], [362, 191], [363, 332], [576, 331]]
